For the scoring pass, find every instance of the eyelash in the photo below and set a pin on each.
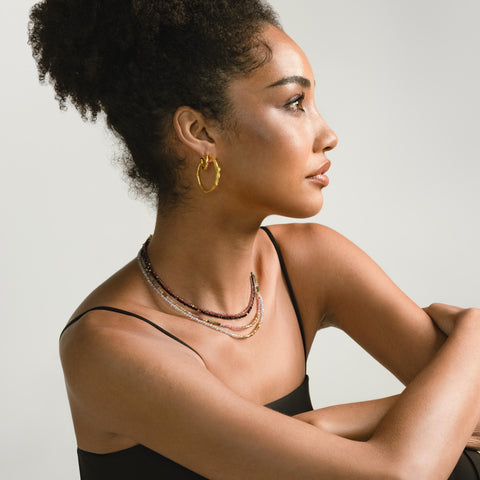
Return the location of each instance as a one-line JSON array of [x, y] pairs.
[[296, 104]]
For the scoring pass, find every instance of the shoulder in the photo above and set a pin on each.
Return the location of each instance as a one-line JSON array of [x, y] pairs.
[[324, 267], [116, 323], [305, 238], [316, 251], [107, 332], [106, 352]]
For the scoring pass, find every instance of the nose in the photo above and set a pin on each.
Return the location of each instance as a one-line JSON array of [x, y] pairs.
[[325, 138]]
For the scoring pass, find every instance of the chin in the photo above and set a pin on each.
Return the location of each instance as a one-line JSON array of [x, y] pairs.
[[309, 207]]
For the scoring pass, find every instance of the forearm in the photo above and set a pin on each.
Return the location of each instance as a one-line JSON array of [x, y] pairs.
[[437, 412], [358, 421], [425, 429], [355, 421]]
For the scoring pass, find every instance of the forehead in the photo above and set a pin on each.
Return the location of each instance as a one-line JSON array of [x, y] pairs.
[[288, 60]]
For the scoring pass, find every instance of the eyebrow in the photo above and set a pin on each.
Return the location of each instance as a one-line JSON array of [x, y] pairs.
[[302, 81]]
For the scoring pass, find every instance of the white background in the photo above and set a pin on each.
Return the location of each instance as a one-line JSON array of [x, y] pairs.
[[398, 81]]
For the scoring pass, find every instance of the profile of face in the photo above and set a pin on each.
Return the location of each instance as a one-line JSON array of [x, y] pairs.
[[275, 155]]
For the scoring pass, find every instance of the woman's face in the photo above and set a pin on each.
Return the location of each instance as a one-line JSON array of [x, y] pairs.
[[274, 159]]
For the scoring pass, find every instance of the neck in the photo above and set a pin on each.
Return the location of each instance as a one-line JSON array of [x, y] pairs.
[[205, 257]]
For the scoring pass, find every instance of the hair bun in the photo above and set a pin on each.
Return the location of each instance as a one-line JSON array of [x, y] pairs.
[[75, 42]]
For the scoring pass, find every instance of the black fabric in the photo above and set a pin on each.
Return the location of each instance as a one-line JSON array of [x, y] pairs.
[[295, 402], [468, 467], [135, 463]]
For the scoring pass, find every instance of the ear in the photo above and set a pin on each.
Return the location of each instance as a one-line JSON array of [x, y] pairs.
[[195, 131]]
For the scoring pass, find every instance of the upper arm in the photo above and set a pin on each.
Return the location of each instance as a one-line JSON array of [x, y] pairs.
[[166, 400], [346, 288]]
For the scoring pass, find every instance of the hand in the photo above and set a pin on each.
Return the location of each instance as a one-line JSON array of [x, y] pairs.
[[445, 316]]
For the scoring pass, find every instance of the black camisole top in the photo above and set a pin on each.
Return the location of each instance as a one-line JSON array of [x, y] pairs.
[[141, 463]]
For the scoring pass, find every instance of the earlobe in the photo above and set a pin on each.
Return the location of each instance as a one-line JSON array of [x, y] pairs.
[[192, 130]]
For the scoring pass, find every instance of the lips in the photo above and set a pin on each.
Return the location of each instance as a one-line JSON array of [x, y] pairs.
[[319, 176], [322, 170]]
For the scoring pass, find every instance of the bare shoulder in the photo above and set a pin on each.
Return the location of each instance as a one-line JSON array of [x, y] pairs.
[[317, 258], [323, 259], [102, 345], [113, 324], [307, 241]]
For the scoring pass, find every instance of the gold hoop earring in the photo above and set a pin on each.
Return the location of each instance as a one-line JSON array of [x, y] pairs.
[[204, 163]]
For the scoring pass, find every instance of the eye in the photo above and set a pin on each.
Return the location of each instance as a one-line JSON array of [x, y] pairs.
[[296, 103]]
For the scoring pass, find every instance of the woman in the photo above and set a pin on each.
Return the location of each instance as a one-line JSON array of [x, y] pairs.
[[171, 362]]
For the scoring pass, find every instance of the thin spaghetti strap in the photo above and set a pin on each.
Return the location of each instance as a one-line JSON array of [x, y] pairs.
[[293, 298], [130, 314]]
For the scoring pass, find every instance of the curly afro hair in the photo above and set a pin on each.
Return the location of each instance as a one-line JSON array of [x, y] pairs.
[[139, 60]]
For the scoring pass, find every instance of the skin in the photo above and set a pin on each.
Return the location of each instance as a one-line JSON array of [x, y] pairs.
[[358, 421], [128, 384]]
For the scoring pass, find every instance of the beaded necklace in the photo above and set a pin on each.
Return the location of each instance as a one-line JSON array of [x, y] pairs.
[[225, 316], [149, 274]]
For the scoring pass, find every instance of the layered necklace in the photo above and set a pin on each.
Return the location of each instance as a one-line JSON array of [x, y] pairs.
[[193, 312]]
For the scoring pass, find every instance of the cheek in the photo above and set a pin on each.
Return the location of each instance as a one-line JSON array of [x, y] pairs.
[[267, 165], [274, 141]]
